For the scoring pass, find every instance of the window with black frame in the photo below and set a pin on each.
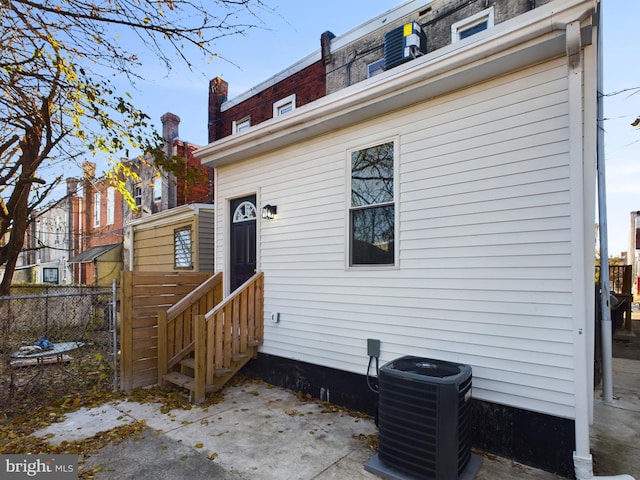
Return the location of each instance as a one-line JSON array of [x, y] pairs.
[[50, 275], [372, 212]]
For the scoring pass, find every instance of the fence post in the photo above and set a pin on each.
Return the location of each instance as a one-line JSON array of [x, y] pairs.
[[114, 332], [162, 345], [200, 364], [126, 331]]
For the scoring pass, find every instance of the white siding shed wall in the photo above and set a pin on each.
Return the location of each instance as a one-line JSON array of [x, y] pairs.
[[484, 230]]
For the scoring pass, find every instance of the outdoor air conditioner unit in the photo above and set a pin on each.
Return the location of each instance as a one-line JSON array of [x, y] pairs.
[[424, 420], [404, 43]]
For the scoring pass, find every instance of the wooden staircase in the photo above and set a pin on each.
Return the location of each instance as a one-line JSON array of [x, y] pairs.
[[202, 352]]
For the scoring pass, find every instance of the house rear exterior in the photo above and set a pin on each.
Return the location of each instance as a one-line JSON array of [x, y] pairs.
[[445, 207]]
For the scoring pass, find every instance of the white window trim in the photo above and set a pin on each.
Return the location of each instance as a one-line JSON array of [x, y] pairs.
[[238, 126], [291, 99], [111, 205], [137, 195], [177, 249], [379, 67], [96, 208], [157, 189], [396, 204], [469, 22]]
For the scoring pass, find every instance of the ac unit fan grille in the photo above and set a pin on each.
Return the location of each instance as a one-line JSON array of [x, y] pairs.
[[424, 423], [408, 420]]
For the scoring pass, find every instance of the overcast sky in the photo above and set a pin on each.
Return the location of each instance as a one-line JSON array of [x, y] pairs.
[[293, 31]]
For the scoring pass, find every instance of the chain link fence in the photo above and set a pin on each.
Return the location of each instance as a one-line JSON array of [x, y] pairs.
[[55, 342]]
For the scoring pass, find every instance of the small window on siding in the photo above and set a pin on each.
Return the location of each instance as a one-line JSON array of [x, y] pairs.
[[472, 25], [285, 105], [111, 205], [182, 248], [372, 210], [96, 209]]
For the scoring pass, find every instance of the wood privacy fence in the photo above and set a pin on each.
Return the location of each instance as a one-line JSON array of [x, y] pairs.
[[143, 294]]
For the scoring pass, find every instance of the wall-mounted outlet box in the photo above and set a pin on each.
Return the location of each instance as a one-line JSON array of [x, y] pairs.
[[373, 347], [275, 317]]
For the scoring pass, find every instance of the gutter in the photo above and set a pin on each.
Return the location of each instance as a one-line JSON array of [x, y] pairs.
[[484, 55], [582, 458]]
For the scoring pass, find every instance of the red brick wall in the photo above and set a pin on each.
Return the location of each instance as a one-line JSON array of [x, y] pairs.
[[202, 190], [308, 85], [102, 234]]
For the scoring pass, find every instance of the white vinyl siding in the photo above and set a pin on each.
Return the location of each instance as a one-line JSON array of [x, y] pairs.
[[484, 230]]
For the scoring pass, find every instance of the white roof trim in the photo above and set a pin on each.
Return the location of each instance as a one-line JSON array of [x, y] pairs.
[[176, 214], [524, 40]]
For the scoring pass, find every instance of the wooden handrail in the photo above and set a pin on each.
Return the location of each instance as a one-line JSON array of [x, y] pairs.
[[228, 331], [221, 340], [194, 296], [234, 294], [176, 324]]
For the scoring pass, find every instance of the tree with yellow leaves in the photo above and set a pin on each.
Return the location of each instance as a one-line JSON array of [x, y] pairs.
[[57, 99]]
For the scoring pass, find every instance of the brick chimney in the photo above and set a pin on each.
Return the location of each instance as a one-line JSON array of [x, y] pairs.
[[218, 91], [170, 124], [72, 186]]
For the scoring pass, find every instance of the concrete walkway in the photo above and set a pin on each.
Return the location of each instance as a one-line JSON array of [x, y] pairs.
[[261, 432]]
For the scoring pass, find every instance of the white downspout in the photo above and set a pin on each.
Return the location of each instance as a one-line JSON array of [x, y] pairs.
[[582, 459]]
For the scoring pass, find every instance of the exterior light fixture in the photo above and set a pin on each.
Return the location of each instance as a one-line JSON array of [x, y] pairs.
[[269, 212]]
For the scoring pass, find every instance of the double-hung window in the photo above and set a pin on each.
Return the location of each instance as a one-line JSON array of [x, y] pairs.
[[96, 209], [137, 195], [372, 209], [111, 205], [157, 189]]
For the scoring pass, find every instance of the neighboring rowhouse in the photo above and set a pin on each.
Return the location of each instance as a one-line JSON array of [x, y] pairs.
[[99, 218], [46, 250], [444, 206], [99, 229]]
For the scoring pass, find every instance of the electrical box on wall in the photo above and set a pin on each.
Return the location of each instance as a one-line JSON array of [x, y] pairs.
[[275, 317], [373, 347]]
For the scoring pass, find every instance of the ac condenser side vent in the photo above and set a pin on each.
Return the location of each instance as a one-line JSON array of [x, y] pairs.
[[404, 43], [424, 416]]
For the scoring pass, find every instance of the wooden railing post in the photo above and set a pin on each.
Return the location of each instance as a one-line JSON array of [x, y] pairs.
[[200, 360], [162, 346]]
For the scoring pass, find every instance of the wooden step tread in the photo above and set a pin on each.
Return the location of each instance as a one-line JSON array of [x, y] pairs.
[[208, 388], [189, 362], [177, 378]]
